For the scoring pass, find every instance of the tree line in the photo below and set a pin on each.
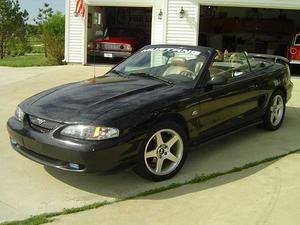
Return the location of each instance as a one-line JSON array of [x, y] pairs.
[[16, 33]]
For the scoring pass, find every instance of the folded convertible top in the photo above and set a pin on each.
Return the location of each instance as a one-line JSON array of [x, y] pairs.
[[276, 58]]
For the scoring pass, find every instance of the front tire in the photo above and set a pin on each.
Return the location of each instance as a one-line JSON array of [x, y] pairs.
[[275, 113], [163, 152]]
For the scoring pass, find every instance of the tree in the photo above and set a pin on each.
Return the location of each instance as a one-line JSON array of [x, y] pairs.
[[33, 30], [54, 36], [44, 15], [12, 24]]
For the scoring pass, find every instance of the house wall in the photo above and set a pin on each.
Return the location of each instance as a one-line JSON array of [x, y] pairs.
[[275, 4], [182, 30], [77, 31], [171, 29], [74, 46]]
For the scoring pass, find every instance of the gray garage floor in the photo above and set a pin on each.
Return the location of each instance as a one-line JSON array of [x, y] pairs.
[[27, 188]]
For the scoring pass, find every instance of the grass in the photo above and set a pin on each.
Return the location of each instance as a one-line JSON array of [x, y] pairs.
[[49, 217], [26, 61]]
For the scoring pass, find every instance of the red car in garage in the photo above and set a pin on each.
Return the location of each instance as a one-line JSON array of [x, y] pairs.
[[117, 43], [294, 50]]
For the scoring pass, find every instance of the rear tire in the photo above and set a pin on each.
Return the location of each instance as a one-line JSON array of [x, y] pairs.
[[163, 152], [275, 113]]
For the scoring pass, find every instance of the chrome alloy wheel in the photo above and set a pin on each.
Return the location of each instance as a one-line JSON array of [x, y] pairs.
[[277, 110], [163, 152]]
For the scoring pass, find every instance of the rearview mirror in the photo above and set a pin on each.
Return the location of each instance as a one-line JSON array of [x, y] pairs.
[[105, 32], [168, 54], [217, 80]]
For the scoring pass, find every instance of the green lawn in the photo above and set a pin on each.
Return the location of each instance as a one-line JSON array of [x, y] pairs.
[[26, 61]]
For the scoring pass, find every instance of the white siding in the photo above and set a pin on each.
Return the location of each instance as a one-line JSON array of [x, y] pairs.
[[279, 4], [183, 30], [75, 40], [158, 27]]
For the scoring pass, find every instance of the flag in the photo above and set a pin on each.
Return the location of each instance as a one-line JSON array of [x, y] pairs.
[[79, 9]]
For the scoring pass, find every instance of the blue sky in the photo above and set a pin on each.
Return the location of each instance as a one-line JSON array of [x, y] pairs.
[[32, 6]]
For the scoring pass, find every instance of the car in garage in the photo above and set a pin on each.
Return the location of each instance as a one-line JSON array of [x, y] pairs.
[[294, 50], [146, 112], [117, 43]]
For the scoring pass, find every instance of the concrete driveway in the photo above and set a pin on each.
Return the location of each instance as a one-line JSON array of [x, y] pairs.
[[267, 194], [27, 188]]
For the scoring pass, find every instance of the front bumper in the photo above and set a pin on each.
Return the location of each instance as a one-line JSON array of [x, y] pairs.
[[289, 90], [109, 54], [78, 156]]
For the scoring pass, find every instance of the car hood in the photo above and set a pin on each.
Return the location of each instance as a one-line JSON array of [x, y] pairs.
[[116, 39], [85, 101]]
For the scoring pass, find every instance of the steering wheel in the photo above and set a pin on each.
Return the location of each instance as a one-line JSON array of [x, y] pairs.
[[188, 73]]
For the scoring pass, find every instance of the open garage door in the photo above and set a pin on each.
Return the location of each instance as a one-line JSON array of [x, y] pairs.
[[114, 33], [268, 31]]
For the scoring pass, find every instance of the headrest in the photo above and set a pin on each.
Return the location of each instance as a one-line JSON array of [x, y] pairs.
[[177, 61]]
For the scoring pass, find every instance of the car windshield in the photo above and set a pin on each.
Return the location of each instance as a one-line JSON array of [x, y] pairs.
[[122, 32], [176, 65]]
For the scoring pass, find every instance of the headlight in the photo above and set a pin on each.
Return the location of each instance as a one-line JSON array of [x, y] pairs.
[[91, 45], [19, 114], [90, 132], [98, 46], [127, 47]]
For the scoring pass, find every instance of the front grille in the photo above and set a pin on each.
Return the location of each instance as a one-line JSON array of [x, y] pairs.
[[42, 125], [111, 46]]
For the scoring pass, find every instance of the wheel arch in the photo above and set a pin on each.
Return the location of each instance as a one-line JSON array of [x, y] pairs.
[[281, 88], [177, 118]]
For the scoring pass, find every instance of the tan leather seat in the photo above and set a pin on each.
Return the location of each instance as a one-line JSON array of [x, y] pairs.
[[176, 66]]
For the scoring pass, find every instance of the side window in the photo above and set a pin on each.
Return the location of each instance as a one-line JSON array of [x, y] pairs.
[[238, 62], [230, 64], [254, 64], [258, 64]]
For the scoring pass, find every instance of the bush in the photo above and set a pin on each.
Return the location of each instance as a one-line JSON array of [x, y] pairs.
[[54, 37], [22, 48], [18, 46], [38, 49]]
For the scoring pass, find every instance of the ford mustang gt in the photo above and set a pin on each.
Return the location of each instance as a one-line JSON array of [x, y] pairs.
[[147, 111]]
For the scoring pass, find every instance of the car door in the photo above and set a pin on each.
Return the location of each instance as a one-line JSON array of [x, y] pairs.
[[224, 107]]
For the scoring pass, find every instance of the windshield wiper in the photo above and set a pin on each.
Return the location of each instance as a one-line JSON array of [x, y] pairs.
[[151, 76], [119, 73]]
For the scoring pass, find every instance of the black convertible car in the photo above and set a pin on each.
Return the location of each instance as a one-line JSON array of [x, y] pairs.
[[148, 110]]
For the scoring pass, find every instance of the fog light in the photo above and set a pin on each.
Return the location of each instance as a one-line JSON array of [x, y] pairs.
[[13, 141], [74, 166]]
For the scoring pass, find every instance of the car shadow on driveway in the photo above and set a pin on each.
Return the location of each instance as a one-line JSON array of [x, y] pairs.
[[236, 150]]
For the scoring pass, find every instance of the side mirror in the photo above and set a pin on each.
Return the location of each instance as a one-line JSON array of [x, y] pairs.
[[217, 80], [262, 65]]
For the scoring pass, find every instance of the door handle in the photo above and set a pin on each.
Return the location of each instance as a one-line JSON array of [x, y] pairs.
[[253, 86]]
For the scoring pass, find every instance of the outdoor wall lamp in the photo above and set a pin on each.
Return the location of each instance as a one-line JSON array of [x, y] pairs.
[[160, 15], [181, 13]]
